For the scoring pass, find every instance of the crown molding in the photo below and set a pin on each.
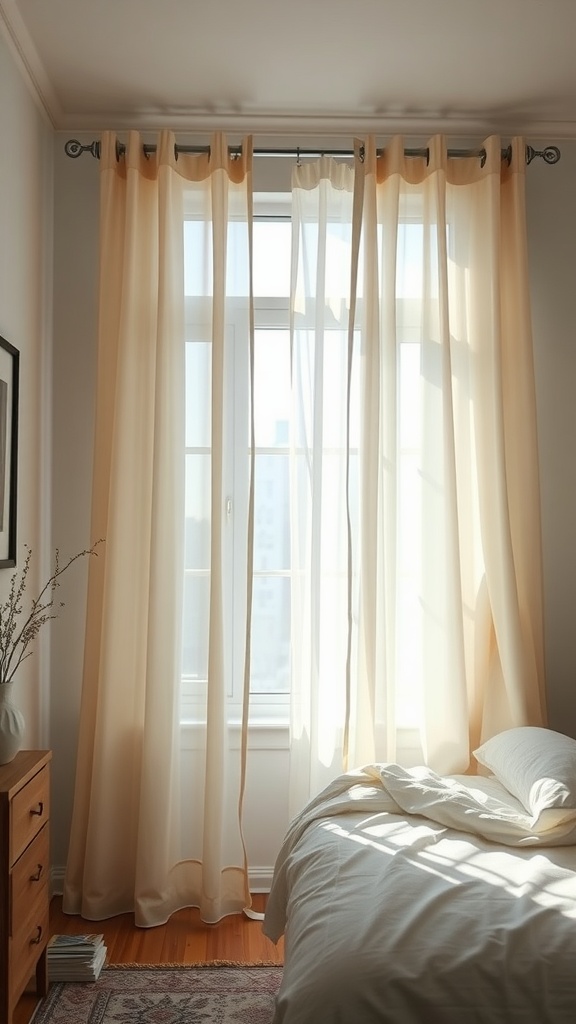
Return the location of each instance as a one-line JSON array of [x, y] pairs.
[[28, 62], [333, 126], [266, 124]]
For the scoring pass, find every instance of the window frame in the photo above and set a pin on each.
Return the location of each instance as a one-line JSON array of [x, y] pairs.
[[270, 313]]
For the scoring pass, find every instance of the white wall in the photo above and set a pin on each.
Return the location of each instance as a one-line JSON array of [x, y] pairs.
[[26, 237], [551, 194]]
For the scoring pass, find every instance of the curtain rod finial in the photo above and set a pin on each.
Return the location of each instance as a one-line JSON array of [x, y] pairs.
[[75, 149], [551, 154]]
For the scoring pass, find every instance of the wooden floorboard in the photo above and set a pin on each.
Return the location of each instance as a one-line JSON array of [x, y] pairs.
[[184, 939]]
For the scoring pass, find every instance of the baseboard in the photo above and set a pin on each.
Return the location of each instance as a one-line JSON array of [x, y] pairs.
[[260, 879], [57, 881]]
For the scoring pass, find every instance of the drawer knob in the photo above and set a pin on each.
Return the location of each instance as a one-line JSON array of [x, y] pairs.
[[36, 941], [38, 875], [39, 811]]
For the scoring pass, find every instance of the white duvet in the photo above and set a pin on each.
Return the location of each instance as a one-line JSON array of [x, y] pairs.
[[410, 898]]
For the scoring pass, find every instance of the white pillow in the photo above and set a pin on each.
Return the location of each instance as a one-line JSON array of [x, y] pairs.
[[538, 766]]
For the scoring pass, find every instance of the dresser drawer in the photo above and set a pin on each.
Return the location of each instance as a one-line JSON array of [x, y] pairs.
[[30, 810], [26, 947], [24, 877], [30, 879]]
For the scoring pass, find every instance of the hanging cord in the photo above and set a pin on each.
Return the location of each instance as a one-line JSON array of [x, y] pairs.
[[550, 154]]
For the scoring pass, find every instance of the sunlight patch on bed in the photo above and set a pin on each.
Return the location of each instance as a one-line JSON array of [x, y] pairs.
[[358, 837], [392, 840], [515, 875], [454, 861]]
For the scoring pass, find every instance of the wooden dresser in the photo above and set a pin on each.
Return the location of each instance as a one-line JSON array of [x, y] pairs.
[[24, 876]]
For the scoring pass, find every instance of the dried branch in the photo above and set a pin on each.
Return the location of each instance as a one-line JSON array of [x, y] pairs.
[[15, 638]]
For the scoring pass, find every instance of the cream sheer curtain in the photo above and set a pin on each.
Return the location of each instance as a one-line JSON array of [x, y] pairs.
[[153, 831], [414, 498], [417, 602]]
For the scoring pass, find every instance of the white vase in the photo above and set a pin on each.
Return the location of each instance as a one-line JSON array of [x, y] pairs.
[[11, 725]]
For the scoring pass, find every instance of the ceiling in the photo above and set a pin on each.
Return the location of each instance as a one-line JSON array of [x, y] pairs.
[[281, 66]]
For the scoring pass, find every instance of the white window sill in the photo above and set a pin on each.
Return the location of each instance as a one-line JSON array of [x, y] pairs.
[[263, 734]]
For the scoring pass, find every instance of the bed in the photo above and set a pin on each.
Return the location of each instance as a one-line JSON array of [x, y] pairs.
[[406, 897]]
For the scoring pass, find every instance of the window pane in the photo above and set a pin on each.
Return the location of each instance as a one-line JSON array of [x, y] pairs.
[[272, 240], [410, 397], [326, 389], [334, 398], [197, 257], [271, 388], [197, 511], [271, 513], [409, 254], [198, 268], [270, 635], [409, 664], [198, 388], [195, 622]]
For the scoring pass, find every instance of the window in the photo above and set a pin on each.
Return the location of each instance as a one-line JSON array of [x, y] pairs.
[[271, 605], [270, 654]]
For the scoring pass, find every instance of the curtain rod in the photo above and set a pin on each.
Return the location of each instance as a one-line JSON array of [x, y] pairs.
[[550, 154]]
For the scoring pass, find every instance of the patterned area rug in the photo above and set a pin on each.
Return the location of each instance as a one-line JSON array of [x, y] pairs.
[[165, 995]]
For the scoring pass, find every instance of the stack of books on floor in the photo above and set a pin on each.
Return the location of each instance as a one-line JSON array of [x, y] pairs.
[[75, 957]]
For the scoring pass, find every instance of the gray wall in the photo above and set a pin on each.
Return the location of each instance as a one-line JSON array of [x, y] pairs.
[[26, 178], [74, 373], [551, 208]]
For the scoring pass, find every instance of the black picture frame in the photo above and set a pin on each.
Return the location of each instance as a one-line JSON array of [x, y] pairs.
[[9, 394]]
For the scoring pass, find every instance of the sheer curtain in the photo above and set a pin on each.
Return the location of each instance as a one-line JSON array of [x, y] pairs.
[[153, 830], [417, 597], [415, 568]]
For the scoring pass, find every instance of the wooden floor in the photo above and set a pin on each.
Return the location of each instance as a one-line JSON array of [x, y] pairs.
[[185, 939]]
